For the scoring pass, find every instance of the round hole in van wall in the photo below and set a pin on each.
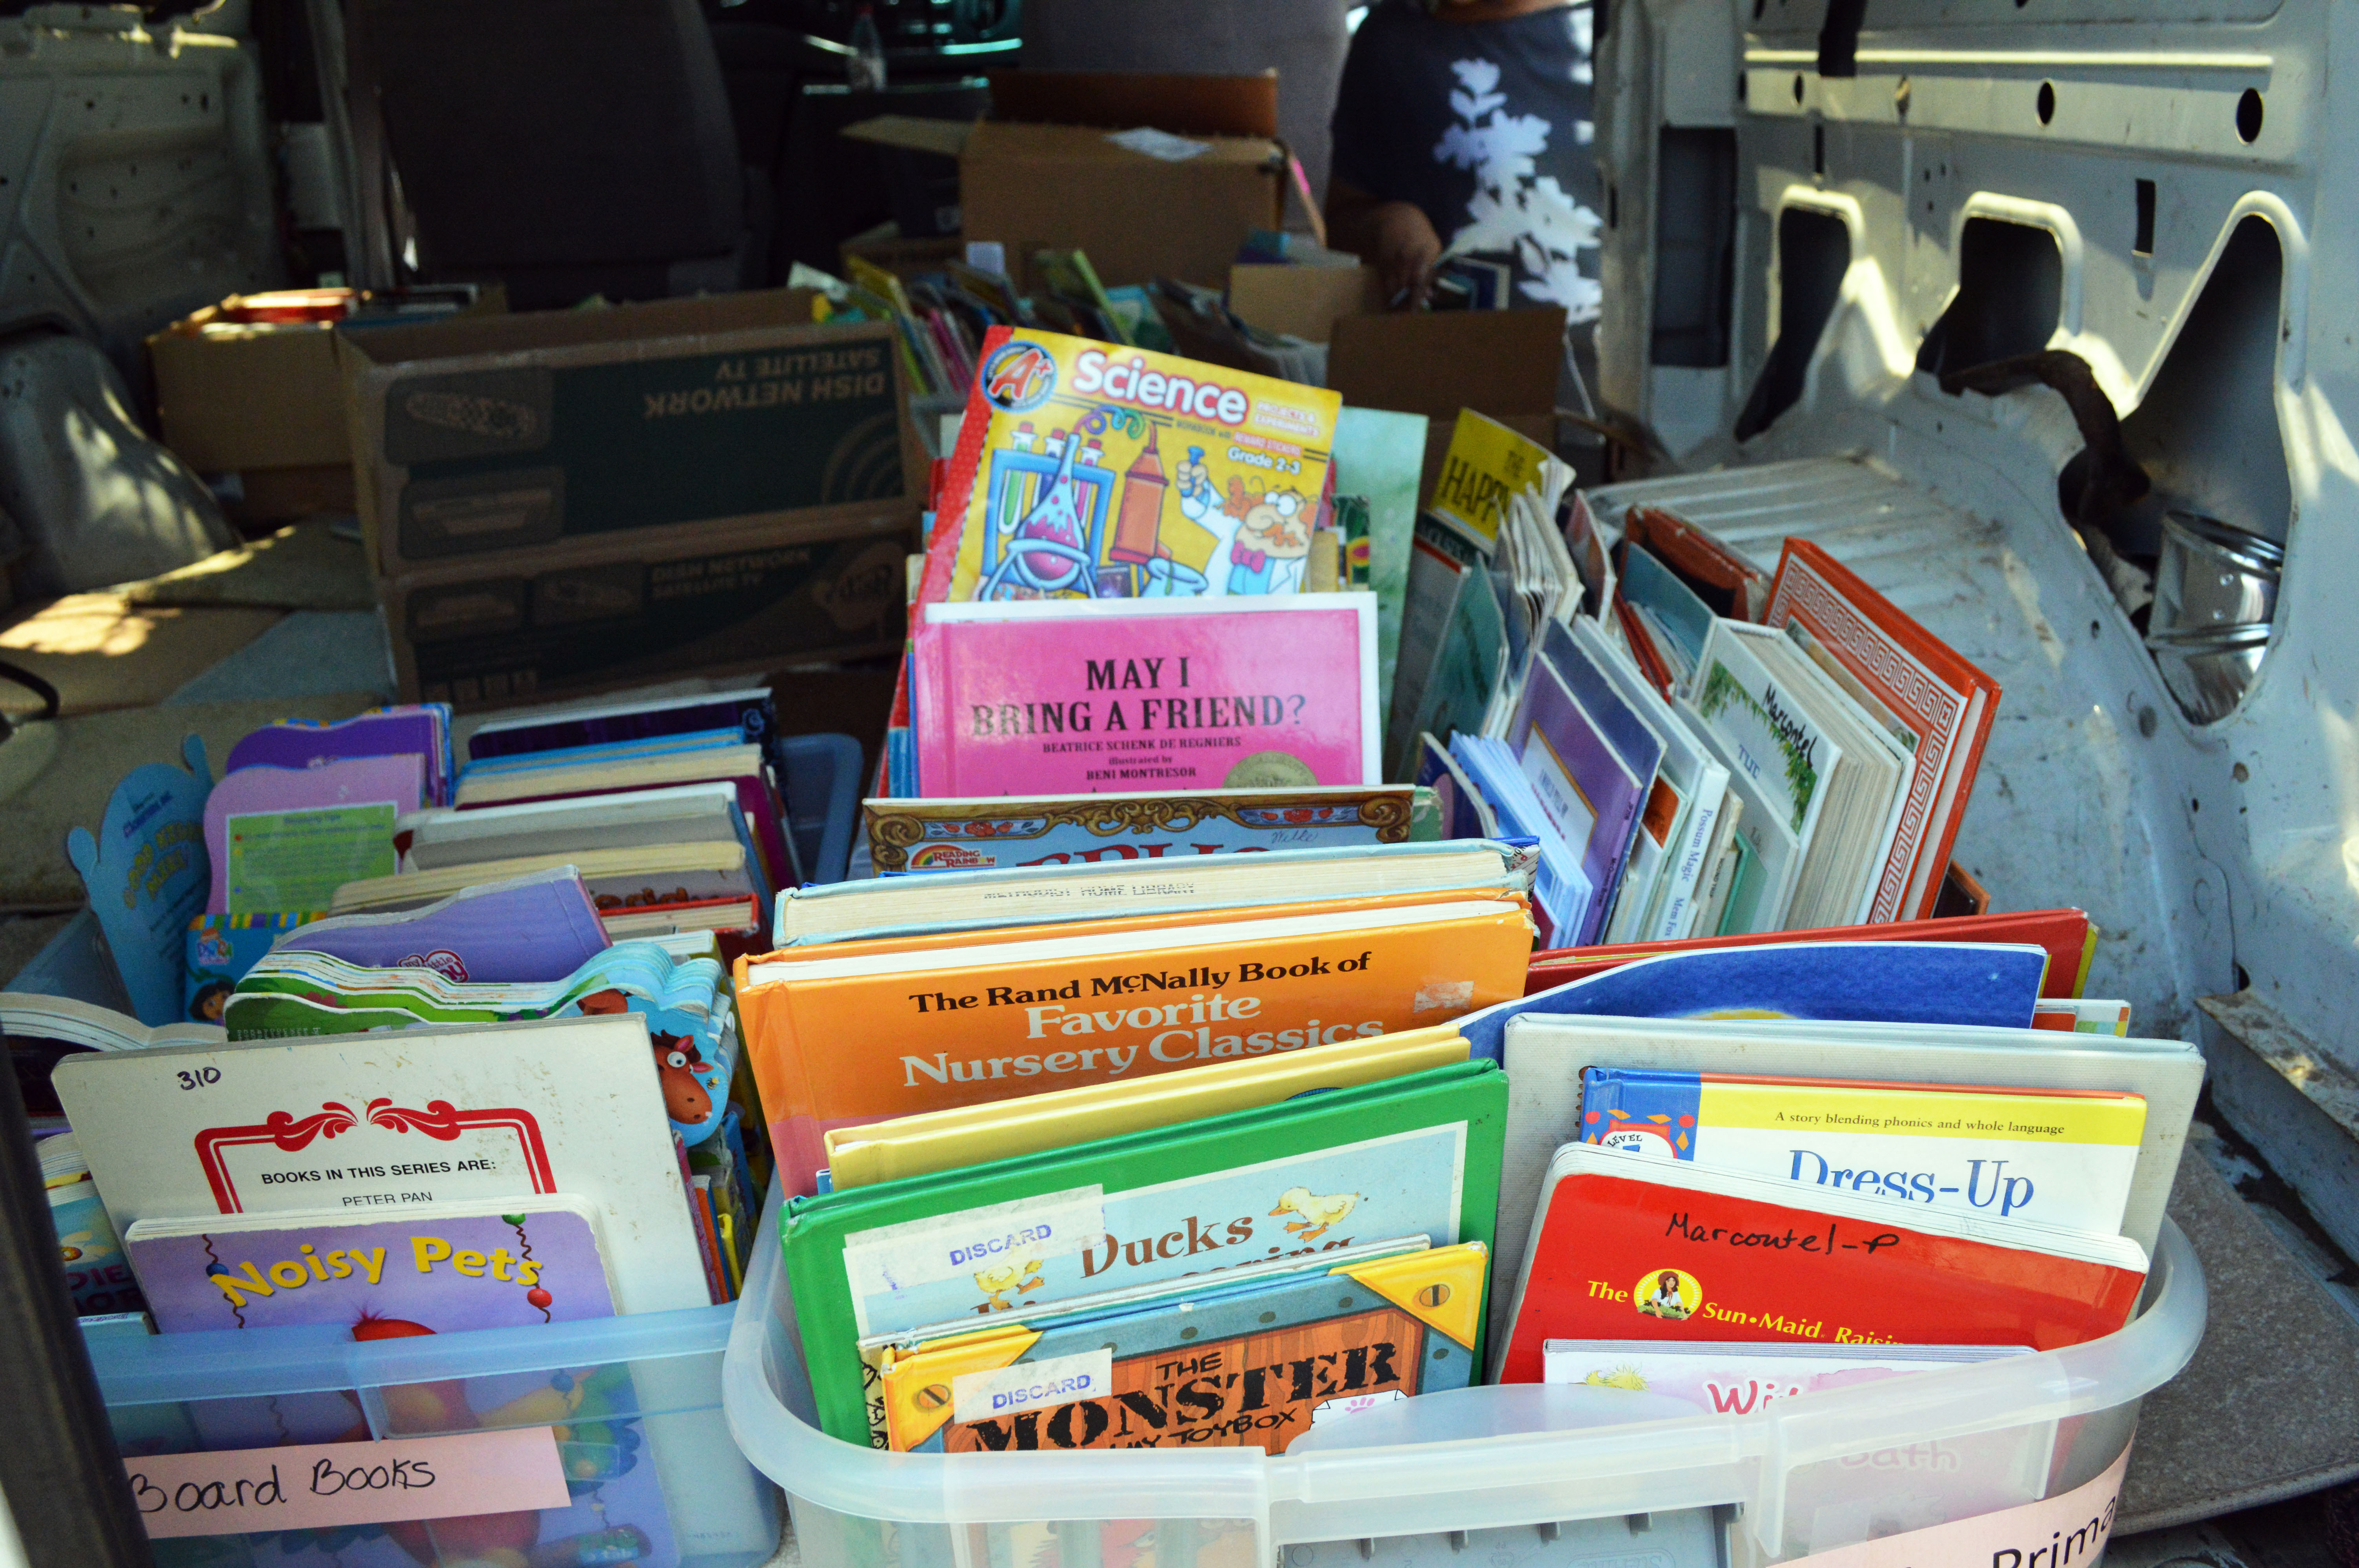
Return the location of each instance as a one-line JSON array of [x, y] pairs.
[[2248, 113], [2047, 102]]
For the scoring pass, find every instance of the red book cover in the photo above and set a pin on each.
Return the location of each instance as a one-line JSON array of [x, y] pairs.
[[1633, 1247], [1643, 651], [2069, 938], [1704, 559], [957, 488], [1919, 678]]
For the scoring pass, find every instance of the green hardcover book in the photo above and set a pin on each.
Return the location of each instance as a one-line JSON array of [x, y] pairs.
[[1412, 1155]]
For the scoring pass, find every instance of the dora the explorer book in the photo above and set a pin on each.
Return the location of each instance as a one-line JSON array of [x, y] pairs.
[[1415, 1155]]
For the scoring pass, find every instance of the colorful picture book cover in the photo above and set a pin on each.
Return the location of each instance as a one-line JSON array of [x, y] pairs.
[[838, 1040], [1629, 1248], [1249, 1369], [1148, 825], [1411, 1156], [383, 1278], [1086, 470], [2052, 1157], [222, 948], [1056, 698]]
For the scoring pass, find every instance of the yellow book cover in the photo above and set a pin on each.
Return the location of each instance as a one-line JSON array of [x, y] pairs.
[[1087, 471], [851, 1038], [1487, 463], [972, 1135]]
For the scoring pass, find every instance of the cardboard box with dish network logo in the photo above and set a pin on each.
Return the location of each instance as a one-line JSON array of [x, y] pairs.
[[636, 428], [737, 599]]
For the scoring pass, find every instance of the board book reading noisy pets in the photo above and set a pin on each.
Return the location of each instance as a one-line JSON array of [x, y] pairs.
[[1088, 471]]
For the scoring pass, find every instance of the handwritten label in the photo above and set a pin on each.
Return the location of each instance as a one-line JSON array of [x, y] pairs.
[[1023, 1230], [1033, 1385], [321, 1486]]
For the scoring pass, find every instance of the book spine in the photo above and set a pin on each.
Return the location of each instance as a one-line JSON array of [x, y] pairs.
[[700, 1222]]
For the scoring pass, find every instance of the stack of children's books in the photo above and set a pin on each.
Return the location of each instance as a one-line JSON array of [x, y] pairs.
[[541, 906], [1062, 1181], [1700, 750]]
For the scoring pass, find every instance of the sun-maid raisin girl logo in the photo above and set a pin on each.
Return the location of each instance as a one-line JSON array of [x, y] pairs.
[[1019, 377]]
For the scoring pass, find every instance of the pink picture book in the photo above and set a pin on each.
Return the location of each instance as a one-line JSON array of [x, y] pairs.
[[1066, 697]]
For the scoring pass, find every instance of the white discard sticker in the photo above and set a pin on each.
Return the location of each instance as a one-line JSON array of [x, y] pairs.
[[942, 1247], [1032, 1385], [1435, 994]]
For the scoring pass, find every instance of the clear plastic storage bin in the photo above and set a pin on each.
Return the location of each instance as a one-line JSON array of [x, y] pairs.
[[635, 1404], [1521, 1476]]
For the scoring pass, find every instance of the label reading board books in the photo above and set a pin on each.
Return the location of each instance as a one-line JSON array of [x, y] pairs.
[[1060, 699], [1088, 471]]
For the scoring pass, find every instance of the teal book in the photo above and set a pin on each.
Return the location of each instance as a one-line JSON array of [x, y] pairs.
[[1410, 1156]]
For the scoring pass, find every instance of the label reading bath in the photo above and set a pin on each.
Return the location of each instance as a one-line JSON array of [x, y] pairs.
[[1019, 1234], [1033, 1385]]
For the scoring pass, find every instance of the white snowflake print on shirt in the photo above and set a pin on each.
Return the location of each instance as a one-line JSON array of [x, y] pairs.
[[1515, 209]]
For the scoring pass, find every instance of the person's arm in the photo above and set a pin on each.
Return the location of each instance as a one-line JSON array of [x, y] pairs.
[[1394, 237]]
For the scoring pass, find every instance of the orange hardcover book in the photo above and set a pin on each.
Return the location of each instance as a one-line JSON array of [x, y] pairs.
[[854, 1033]]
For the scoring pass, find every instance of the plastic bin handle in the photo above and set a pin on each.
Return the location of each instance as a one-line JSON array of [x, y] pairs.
[[1988, 1396]]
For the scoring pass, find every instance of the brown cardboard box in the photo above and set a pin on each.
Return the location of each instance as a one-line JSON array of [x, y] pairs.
[[1499, 362], [1305, 301], [492, 446], [590, 615], [1066, 187], [239, 397], [264, 402], [1040, 174]]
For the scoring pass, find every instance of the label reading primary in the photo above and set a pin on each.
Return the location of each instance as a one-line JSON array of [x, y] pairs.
[[1016, 1236], [1032, 1385]]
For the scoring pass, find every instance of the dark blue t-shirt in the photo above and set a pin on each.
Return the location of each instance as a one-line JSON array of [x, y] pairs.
[[1485, 126]]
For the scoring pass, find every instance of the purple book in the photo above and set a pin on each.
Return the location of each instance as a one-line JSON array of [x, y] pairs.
[[423, 730], [540, 926], [1589, 793], [285, 839], [435, 1269]]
